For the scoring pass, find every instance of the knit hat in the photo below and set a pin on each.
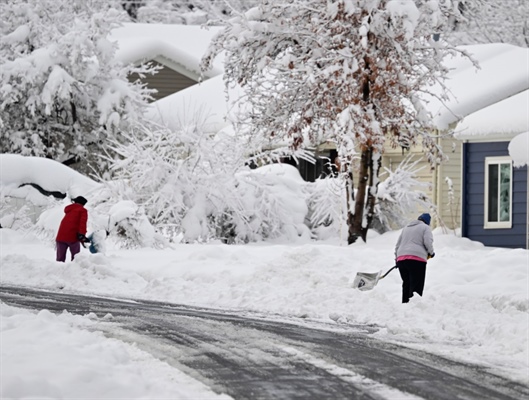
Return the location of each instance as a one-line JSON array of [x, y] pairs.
[[80, 200], [426, 218]]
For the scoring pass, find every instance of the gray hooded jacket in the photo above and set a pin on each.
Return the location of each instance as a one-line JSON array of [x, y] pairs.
[[416, 239]]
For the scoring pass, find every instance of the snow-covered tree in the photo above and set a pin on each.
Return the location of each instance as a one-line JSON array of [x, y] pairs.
[[62, 91], [341, 71], [197, 187], [494, 21], [191, 12]]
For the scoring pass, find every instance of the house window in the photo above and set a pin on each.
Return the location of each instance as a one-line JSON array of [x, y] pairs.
[[498, 192]]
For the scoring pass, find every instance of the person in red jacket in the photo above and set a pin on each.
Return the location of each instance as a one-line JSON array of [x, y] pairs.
[[72, 230]]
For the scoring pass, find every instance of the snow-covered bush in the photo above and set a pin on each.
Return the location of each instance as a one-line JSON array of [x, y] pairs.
[[62, 92], [196, 186], [327, 208], [34, 192], [125, 221], [15, 216], [273, 204], [399, 196]]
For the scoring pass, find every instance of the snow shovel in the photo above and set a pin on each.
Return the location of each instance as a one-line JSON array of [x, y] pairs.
[[367, 281]]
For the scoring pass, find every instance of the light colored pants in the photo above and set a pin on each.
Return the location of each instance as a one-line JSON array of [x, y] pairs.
[[62, 247]]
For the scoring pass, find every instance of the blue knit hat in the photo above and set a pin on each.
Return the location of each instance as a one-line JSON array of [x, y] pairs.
[[426, 218]]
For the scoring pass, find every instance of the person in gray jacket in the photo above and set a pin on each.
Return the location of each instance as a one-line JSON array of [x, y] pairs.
[[414, 247]]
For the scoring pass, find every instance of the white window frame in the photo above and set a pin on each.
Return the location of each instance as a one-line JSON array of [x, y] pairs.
[[497, 224]]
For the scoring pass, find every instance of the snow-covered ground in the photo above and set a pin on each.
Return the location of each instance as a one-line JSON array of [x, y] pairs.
[[475, 307]]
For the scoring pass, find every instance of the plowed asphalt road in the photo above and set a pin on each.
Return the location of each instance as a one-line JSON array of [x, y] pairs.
[[249, 357]]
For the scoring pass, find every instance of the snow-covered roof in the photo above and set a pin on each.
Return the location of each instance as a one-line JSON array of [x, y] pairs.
[[179, 47], [504, 119], [503, 72], [519, 149], [206, 100]]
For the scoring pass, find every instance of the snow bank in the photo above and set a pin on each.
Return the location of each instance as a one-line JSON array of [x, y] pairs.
[[61, 357], [519, 149], [475, 306], [472, 89], [50, 175]]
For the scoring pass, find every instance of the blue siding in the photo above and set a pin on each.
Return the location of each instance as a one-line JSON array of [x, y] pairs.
[[474, 197]]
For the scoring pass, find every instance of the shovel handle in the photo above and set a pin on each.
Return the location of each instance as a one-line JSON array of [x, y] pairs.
[[391, 269]]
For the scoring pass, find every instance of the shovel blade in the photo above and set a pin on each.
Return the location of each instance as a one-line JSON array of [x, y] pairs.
[[365, 280]]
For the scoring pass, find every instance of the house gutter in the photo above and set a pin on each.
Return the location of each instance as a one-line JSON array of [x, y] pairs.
[[463, 190]]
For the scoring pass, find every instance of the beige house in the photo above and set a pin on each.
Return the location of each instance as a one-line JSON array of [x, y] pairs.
[[175, 49], [444, 181]]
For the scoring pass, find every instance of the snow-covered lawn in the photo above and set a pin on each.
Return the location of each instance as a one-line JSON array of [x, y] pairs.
[[475, 306]]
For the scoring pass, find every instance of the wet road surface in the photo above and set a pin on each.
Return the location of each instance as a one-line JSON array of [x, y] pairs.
[[249, 357]]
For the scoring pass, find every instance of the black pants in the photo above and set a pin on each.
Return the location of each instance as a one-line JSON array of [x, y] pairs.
[[412, 273]]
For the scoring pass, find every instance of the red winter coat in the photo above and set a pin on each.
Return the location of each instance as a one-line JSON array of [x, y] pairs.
[[74, 222]]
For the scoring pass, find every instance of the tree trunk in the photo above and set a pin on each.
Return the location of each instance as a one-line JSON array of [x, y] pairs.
[[372, 193], [349, 192], [366, 178]]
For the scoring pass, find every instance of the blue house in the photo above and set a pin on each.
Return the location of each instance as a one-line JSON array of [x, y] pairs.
[[495, 197]]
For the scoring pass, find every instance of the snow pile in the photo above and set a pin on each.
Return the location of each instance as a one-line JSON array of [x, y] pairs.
[[505, 119], [67, 359], [519, 149], [52, 176], [179, 46], [473, 310], [472, 88]]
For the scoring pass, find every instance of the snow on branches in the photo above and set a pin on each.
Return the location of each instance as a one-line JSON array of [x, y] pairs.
[[334, 69], [62, 91], [196, 187], [349, 72]]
